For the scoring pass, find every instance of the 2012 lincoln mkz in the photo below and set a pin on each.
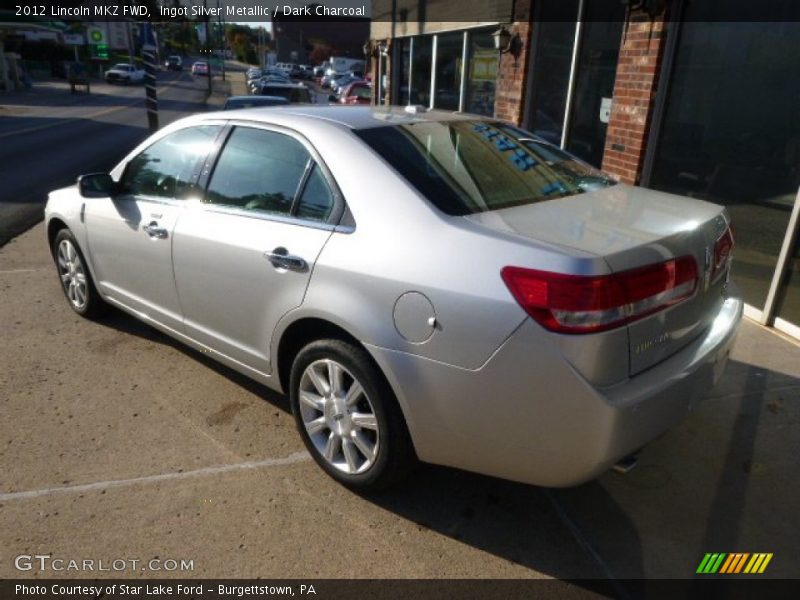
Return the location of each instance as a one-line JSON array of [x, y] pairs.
[[423, 285]]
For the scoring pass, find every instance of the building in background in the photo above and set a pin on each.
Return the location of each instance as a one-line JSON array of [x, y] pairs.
[[303, 42], [689, 97]]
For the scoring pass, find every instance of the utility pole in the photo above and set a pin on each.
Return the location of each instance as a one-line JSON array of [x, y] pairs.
[[208, 44], [149, 55], [221, 39]]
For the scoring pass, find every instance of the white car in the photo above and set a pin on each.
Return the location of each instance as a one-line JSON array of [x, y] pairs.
[[124, 73]]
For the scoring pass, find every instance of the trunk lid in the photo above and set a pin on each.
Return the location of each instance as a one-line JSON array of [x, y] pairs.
[[631, 227]]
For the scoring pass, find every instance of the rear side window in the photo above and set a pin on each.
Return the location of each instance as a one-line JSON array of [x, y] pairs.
[[269, 172], [316, 201], [169, 167]]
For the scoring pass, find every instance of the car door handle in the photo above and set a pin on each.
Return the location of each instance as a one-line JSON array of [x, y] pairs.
[[154, 231], [281, 259]]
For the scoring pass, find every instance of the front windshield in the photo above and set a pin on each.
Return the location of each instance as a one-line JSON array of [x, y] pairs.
[[466, 167]]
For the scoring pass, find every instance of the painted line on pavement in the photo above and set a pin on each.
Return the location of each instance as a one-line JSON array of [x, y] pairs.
[[12, 271], [584, 543], [296, 457]]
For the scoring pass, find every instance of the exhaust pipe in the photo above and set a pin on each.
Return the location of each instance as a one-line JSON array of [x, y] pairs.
[[626, 464]]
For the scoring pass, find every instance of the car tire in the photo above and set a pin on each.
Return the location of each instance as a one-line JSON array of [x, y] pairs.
[[354, 429], [76, 280]]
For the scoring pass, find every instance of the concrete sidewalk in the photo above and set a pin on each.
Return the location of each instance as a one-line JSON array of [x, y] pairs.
[[233, 85]]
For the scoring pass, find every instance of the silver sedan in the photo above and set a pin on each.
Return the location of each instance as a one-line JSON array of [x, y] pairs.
[[423, 285]]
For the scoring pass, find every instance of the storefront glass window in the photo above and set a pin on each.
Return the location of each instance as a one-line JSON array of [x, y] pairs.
[[556, 38], [421, 71], [731, 134], [449, 48], [594, 79], [481, 73], [404, 71], [789, 296]]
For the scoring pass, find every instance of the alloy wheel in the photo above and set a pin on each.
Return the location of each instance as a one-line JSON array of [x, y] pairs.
[[73, 274], [338, 416]]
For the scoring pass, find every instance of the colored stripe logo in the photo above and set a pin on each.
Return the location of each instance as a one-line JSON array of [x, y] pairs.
[[733, 563]]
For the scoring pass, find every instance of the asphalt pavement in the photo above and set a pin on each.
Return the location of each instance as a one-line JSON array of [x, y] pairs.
[[48, 136]]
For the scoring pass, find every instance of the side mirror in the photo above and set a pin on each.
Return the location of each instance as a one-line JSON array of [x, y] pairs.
[[96, 185]]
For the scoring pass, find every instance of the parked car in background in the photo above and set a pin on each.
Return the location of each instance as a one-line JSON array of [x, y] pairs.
[[124, 73], [337, 85], [200, 68], [293, 92], [235, 102], [306, 72], [358, 92], [328, 79], [174, 63], [284, 68], [422, 284], [256, 84]]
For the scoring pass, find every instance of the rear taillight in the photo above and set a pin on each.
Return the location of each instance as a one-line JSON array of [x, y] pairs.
[[722, 254], [581, 304]]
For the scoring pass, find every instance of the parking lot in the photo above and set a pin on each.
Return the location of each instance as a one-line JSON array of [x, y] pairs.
[[119, 444]]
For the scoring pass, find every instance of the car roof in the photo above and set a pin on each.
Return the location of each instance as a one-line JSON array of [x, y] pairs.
[[280, 84], [349, 116], [256, 99]]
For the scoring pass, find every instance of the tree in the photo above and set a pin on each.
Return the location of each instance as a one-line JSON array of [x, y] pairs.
[[319, 54]]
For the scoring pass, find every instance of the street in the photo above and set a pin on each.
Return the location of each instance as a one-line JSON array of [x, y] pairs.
[[49, 136]]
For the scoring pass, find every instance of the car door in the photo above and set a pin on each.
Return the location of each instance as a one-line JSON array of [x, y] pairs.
[[244, 257], [130, 234]]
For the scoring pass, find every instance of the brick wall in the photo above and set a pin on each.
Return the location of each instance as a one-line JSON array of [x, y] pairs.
[[635, 86], [511, 74]]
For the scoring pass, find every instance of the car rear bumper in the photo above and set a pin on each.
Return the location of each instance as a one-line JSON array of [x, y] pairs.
[[528, 416]]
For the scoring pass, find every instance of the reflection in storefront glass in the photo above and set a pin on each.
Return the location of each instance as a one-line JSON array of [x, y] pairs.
[[449, 48], [594, 79], [405, 68], [731, 134], [421, 71], [481, 73]]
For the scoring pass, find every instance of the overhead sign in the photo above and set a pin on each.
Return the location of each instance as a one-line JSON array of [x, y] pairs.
[[99, 51], [96, 35], [74, 39], [147, 37], [117, 35]]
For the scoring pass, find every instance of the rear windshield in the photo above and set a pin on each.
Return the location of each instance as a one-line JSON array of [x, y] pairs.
[[466, 167]]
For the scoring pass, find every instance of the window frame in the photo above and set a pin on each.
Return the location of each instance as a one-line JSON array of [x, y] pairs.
[[338, 210]]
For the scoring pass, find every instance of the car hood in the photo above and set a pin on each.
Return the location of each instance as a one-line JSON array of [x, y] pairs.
[[605, 221]]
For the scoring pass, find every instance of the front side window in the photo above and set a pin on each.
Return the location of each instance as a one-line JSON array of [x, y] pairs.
[[169, 168], [270, 172], [465, 167]]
